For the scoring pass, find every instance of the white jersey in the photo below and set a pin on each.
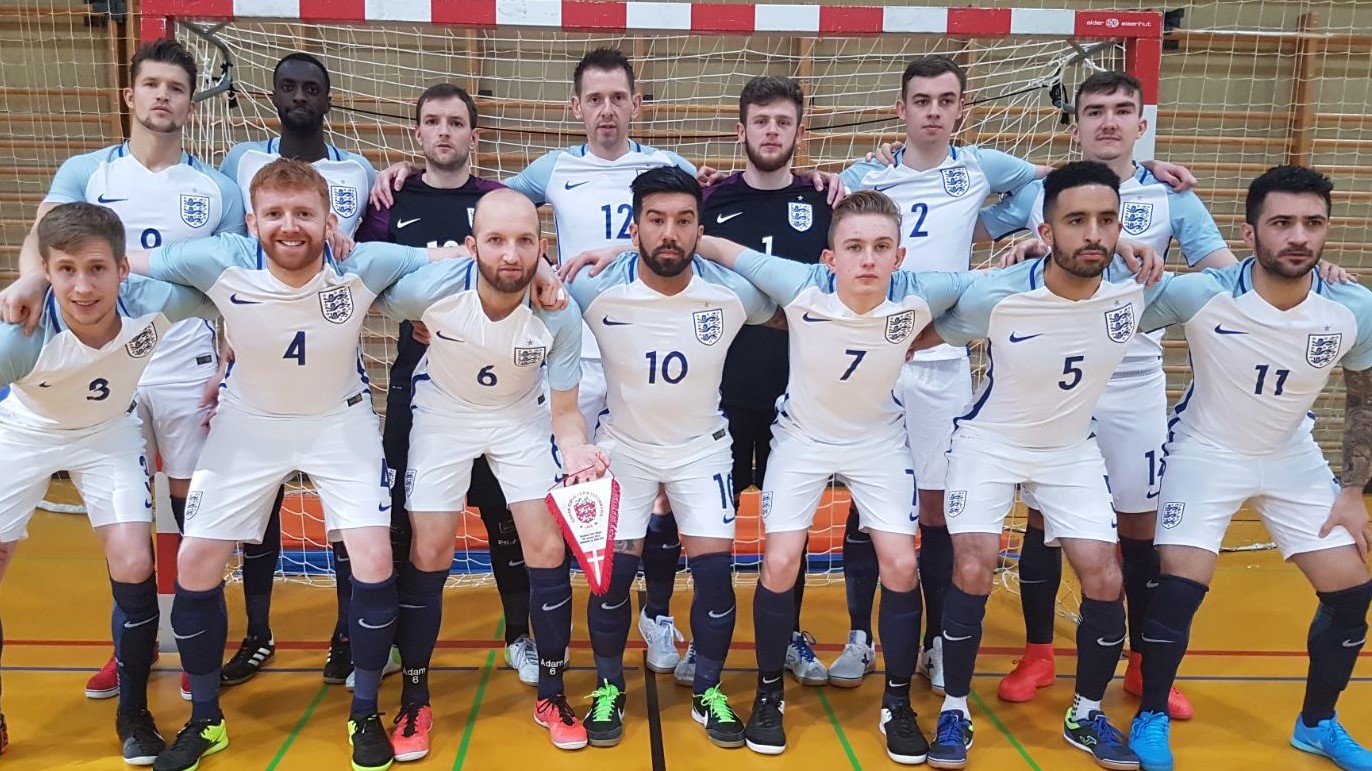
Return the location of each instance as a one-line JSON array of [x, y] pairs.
[[350, 177], [51, 381], [939, 207], [845, 365], [1049, 358], [591, 200], [664, 355], [1151, 213], [183, 201], [295, 348], [1257, 370], [488, 372]]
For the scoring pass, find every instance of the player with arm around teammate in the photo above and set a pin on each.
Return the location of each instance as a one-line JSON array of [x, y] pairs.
[[479, 392], [1265, 335], [66, 403], [852, 320]]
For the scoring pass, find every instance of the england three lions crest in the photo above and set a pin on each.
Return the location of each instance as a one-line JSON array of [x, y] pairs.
[[143, 343], [195, 210], [1120, 324], [1135, 217], [343, 199], [337, 304], [899, 326], [1171, 514], [709, 325], [954, 502], [800, 215], [956, 181], [529, 357], [1322, 350]]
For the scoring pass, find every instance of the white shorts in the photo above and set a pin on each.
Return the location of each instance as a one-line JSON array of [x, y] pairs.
[[590, 395], [107, 466], [1203, 485], [1068, 483], [876, 473], [697, 476], [247, 457], [1130, 423], [443, 447], [174, 425], [933, 393]]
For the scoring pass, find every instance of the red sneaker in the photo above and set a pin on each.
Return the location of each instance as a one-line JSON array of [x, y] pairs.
[[411, 735], [557, 716], [185, 686], [1032, 672], [1178, 706], [105, 683]]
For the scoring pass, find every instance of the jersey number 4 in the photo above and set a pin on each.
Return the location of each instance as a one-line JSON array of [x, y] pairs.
[[296, 350]]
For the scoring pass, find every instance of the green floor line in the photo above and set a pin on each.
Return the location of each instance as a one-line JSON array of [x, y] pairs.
[[299, 726], [995, 721], [838, 731], [477, 699]]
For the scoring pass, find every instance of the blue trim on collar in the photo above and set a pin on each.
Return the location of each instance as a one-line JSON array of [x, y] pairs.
[[54, 316], [1037, 267]]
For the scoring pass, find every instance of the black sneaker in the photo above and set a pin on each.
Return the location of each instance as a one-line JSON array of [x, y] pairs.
[[722, 725], [764, 733], [372, 749], [339, 664], [138, 733], [604, 722], [252, 655], [905, 743], [196, 740]]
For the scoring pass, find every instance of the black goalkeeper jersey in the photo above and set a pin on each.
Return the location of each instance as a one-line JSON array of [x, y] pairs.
[[792, 222]]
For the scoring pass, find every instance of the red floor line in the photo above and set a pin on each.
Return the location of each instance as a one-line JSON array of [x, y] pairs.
[[638, 645]]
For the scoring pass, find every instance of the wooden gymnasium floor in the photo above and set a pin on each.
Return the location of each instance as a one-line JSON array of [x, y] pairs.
[[1244, 674]]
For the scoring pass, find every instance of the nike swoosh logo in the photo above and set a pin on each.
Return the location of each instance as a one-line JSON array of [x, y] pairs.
[[770, 680], [884, 188], [725, 614], [102, 199], [147, 621], [363, 623], [45, 384], [723, 218], [236, 300], [607, 321], [383, 507], [1151, 496], [1220, 330], [406, 223], [449, 339], [516, 563], [619, 604], [1104, 644], [807, 317], [547, 607], [1021, 338], [1149, 584], [189, 636], [729, 519], [573, 186], [1148, 639], [949, 638], [1354, 643]]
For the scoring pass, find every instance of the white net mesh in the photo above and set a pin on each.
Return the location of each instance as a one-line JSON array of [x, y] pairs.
[[690, 86]]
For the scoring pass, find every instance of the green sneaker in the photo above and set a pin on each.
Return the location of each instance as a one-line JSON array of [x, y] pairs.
[[605, 721], [711, 709], [196, 740]]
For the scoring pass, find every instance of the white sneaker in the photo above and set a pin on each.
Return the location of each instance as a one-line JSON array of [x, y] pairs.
[[685, 672], [801, 661], [858, 659], [392, 666], [662, 637], [931, 665], [522, 656]]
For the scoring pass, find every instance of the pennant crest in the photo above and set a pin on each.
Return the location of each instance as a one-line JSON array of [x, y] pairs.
[[800, 215], [709, 325], [1120, 323], [344, 200], [588, 514], [195, 210], [956, 181], [337, 304], [1136, 217], [1322, 350]]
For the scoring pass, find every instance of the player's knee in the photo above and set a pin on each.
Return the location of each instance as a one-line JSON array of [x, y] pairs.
[[430, 554], [779, 570], [130, 567], [898, 572], [200, 564], [973, 574], [543, 552], [370, 557], [1101, 581]]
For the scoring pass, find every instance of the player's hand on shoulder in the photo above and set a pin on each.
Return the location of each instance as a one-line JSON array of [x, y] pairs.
[[390, 179], [709, 176], [827, 180], [420, 332], [1027, 249], [585, 463], [340, 243], [1336, 274], [1145, 262], [1175, 176], [549, 293], [22, 302], [1350, 512], [886, 153], [596, 259]]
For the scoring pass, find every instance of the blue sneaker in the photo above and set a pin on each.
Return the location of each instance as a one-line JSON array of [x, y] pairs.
[[1148, 738], [1103, 741], [952, 740], [1330, 740]]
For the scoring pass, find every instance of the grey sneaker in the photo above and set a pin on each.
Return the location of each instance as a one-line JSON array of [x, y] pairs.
[[661, 635], [685, 672], [801, 661], [858, 659]]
